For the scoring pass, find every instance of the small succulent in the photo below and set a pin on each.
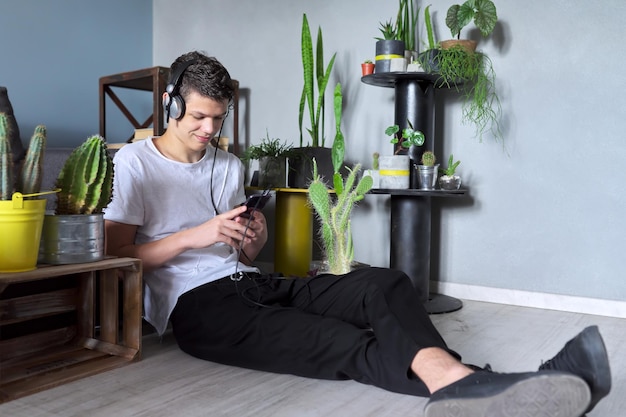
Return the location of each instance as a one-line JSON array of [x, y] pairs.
[[389, 31], [452, 166], [428, 158], [375, 160]]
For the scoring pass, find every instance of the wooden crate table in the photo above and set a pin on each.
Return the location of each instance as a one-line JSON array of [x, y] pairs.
[[65, 322]]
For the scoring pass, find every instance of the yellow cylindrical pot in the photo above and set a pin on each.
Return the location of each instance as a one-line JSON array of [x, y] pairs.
[[293, 246], [21, 222]]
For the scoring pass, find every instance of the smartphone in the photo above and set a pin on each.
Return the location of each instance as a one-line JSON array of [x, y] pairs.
[[255, 202]]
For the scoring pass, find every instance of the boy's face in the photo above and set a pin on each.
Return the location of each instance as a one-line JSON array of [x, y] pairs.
[[202, 121]]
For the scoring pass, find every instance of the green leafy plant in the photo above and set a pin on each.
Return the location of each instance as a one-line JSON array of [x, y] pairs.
[[429, 28], [368, 61], [406, 24], [273, 147], [314, 71], [428, 159], [409, 136], [450, 170], [86, 179], [339, 146], [482, 12], [31, 172]]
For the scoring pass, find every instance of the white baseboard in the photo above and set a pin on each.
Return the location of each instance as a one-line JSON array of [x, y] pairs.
[[595, 306]]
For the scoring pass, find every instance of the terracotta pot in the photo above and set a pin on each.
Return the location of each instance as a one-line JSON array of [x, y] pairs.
[[367, 68], [467, 44]]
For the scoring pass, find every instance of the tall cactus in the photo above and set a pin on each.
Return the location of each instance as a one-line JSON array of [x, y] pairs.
[[334, 215], [86, 179], [29, 179], [32, 170], [6, 160]]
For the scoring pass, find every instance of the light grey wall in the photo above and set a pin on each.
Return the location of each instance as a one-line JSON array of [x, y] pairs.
[[53, 54], [546, 211]]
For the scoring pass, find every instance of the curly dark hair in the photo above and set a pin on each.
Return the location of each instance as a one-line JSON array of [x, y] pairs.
[[206, 76]]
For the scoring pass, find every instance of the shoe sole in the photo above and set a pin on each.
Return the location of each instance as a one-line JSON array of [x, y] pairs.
[[559, 395]]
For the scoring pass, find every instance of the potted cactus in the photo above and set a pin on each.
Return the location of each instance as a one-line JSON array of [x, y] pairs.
[[333, 212], [75, 232], [21, 216], [427, 171]]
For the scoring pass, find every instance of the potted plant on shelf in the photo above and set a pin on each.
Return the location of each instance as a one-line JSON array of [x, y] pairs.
[[300, 162], [427, 171], [75, 232], [389, 47], [482, 12], [272, 155], [21, 216], [394, 169], [467, 71], [367, 67], [449, 180]]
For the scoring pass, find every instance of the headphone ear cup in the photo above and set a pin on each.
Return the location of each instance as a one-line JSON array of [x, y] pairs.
[[176, 107]]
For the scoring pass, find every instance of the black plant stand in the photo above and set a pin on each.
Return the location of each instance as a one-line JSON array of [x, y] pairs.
[[411, 208]]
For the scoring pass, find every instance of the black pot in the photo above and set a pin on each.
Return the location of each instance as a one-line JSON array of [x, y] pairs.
[[385, 50], [301, 166], [429, 60]]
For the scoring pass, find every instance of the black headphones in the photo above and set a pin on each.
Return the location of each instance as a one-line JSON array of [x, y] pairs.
[[174, 102]]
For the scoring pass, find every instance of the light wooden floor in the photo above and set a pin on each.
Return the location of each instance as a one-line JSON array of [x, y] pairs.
[[167, 382]]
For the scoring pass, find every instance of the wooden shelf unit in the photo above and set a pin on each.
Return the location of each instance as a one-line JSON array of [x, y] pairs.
[[65, 322]]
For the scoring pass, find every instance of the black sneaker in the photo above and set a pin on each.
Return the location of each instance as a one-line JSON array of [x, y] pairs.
[[585, 356], [531, 394]]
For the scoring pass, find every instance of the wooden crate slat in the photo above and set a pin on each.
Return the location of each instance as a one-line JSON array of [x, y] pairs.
[[14, 310], [17, 347], [109, 348], [23, 387]]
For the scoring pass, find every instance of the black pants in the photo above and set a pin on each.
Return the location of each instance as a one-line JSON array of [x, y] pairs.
[[366, 326]]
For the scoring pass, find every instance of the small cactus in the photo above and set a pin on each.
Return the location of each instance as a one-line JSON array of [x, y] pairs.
[[428, 159], [375, 160], [86, 179], [29, 178], [334, 216]]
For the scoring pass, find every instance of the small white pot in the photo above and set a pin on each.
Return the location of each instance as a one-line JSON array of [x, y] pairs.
[[394, 172], [397, 65]]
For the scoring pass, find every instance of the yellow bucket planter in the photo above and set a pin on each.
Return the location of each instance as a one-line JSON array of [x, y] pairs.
[[21, 222]]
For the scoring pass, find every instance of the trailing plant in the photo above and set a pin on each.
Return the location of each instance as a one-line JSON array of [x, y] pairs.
[[410, 136], [334, 212], [450, 170], [482, 12], [473, 76], [428, 159], [30, 175], [268, 147], [86, 179], [314, 72]]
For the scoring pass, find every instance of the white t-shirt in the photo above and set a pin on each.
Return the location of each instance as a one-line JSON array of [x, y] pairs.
[[162, 197]]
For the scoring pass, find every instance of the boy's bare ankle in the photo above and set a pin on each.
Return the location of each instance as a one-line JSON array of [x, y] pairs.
[[438, 369]]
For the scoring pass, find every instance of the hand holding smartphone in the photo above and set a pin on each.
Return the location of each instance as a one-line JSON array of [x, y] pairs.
[[255, 202]]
